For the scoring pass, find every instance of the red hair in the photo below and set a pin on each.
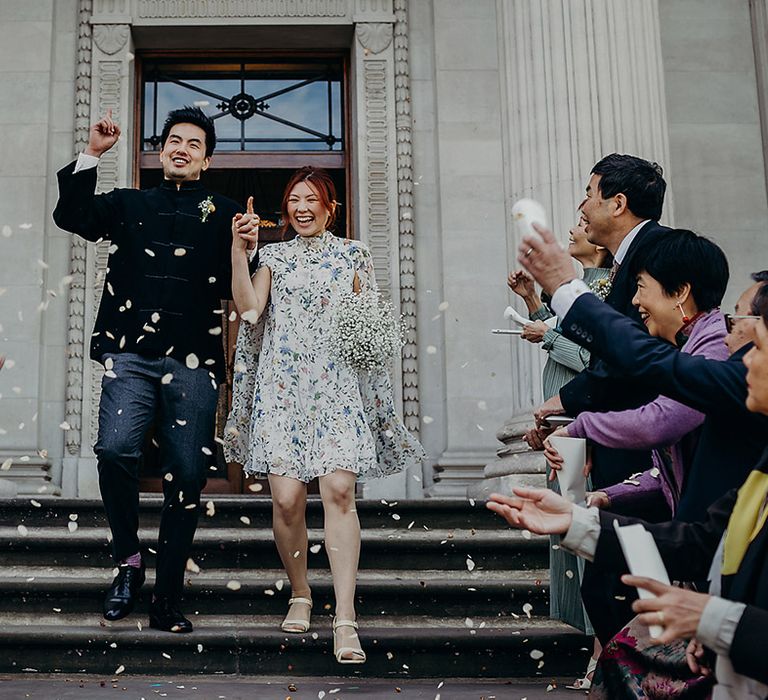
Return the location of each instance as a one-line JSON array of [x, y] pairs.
[[322, 183]]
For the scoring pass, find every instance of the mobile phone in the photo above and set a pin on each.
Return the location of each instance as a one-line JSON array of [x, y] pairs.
[[556, 421], [507, 331]]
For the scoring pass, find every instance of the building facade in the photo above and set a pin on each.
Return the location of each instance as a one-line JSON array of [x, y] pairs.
[[439, 115]]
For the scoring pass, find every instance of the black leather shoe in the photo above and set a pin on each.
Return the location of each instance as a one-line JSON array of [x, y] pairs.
[[122, 594], [164, 614]]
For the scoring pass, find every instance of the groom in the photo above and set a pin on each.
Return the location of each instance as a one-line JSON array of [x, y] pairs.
[[158, 336]]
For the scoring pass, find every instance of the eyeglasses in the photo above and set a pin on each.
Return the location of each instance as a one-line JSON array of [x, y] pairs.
[[730, 319]]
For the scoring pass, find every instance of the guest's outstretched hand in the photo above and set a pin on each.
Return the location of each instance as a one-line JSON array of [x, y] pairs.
[[539, 510], [546, 260], [677, 610]]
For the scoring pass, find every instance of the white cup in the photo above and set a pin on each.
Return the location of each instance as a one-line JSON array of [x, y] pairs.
[[573, 483]]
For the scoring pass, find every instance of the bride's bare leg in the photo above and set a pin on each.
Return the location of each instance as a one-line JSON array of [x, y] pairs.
[[289, 525], [342, 541]]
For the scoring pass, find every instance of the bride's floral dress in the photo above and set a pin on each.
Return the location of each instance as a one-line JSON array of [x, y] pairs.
[[298, 411]]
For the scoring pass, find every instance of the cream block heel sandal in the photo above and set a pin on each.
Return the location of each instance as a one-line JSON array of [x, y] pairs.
[[339, 651], [297, 625]]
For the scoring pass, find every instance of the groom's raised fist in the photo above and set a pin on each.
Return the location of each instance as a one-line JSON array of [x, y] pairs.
[[102, 136]]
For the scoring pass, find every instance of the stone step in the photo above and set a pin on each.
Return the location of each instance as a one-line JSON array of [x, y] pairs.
[[253, 547], [397, 646], [33, 591], [434, 513]]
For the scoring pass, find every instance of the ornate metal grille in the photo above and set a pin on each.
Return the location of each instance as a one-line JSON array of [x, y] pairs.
[[277, 105]]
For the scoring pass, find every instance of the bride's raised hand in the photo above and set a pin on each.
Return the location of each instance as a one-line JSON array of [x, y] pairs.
[[245, 228]]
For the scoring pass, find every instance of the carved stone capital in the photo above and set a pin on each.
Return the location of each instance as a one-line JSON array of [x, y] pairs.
[[110, 38], [374, 37]]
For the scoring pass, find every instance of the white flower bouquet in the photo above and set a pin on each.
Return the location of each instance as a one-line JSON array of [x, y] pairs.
[[365, 333]]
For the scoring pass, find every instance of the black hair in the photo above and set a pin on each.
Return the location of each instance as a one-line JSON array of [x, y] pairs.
[[191, 115], [681, 256], [759, 305], [640, 181]]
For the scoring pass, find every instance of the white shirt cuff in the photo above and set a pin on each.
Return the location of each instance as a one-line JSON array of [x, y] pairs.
[[718, 623], [565, 295], [84, 162], [584, 532]]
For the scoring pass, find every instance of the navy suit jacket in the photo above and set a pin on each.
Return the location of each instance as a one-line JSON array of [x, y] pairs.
[[596, 389], [732, 438]]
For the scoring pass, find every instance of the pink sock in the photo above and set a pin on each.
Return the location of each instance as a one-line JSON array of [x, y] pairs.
[[134, 560]]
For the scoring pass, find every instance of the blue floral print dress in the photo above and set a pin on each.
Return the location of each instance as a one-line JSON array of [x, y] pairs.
[[296, 410]]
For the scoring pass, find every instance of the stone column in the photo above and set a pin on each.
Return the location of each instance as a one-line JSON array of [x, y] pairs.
[[104, 78], [581, 79]]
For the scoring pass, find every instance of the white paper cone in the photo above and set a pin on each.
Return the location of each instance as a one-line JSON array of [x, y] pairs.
[[643, 559], [573, 483]]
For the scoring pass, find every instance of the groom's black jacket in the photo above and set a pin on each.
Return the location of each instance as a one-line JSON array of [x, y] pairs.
[[167, 270]]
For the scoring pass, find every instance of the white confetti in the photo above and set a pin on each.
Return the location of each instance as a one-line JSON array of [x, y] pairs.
[[72, 526], [192, 566], [65, 426], [431, 350], [470, 564], [469, 622], [536, 654], [233, 585], [192, 361], [527, 608], [245, 520], [315, 548], [149, 252], [7, 231], [23, 531], [427, 419], [119, 669], [200, 648], [443, 306], [167, 378], [395, 516], [216, 330], [255, 487], [279, 584], [180, 252]]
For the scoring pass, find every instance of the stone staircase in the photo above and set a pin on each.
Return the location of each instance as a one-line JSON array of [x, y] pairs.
[[445, 590]]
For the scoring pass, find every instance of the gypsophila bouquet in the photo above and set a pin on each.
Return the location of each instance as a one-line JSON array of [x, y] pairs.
[[365, 333], [601, 288]]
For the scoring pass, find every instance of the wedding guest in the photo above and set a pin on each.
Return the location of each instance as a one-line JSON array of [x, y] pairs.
[[565, 359], [730, 546], [623, 203], [168, 269], [298, 412], [681, 282]]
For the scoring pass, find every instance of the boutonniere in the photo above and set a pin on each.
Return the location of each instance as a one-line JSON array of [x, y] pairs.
[[601, 288], [206, 207]]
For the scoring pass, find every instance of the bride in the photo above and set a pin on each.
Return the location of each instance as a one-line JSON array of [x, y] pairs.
[[299, 412]]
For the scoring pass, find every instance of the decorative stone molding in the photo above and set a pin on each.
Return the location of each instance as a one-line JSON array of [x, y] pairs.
[[111, 11], [110, 38], [407, 248], [78, 250], [374, 37], [374, 80], [168, 9]]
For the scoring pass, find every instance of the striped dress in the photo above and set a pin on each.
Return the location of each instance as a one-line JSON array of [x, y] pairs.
[[565, 359]]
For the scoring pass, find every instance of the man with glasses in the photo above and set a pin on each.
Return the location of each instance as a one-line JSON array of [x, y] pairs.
[[741, 325]]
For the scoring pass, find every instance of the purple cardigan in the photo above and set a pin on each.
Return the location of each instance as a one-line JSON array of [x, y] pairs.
[[664, 425]]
